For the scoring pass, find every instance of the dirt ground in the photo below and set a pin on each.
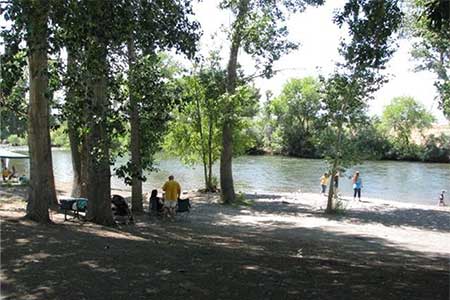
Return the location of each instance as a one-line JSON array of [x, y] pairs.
[[280, 247]]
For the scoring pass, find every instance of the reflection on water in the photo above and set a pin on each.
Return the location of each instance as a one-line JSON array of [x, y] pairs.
[[400, 181]]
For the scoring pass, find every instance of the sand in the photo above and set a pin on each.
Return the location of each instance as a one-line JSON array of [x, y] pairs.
[[276, 246]]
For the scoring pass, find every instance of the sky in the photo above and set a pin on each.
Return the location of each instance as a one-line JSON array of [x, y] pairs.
[[319, 39]]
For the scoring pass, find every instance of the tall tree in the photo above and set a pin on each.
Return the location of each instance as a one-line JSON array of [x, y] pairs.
[[71, 106], [371, 26], [135, 140], [152, 26], [99, 35], [194, 132], [297, 114], [33, 16], [259, 29], [152, 87]]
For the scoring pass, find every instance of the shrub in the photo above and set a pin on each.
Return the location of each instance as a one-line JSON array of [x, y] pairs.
[[437, 149], [16, 140], [59, 137]]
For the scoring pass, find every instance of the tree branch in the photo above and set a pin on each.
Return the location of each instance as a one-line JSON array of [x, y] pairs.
[[256, 75]]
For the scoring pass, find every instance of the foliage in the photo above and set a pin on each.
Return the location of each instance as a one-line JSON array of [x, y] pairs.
[[194, 133], [295, 113], [260, 27], [432, 50], [437, 149], [404, 115], [153, 86], [59, 136], [371, 142], [13, 87], [196, 122], [371, 26], [16, 140]]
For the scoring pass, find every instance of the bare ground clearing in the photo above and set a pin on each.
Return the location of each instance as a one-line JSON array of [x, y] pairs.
[[280, 247]]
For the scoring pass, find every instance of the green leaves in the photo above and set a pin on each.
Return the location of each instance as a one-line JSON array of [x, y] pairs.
[[150, 81], [296, 115], [371, 26], [404, 115], [432, 51], [261, 30], [194, 132]]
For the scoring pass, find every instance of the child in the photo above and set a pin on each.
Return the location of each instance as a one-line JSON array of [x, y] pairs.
[[323, 183], [441, 198]]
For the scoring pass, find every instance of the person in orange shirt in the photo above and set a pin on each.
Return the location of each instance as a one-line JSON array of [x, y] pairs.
[[6, 173], [172, 191]]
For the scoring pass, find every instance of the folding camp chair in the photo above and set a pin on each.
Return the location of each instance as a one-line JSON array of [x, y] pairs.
[[183, 206]]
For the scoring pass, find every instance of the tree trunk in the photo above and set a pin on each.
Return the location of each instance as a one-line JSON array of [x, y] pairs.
[[226, 172], [330, 204], [42, 185], [211, 188], [74, 139], [97, 141], [84, 155], [135, 124], [202, 141]]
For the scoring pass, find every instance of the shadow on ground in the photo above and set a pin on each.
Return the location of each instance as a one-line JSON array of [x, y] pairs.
[[202, 259], [428, 219], [436, 220]]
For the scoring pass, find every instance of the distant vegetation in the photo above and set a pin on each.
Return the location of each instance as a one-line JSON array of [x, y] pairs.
[[290, 124]]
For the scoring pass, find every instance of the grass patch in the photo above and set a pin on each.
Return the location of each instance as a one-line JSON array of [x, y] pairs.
[[242, 201]]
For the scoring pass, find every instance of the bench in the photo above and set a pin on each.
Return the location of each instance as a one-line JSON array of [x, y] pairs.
[[75, 205]]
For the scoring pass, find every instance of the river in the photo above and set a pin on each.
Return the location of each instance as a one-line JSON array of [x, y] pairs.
[[400, 181]]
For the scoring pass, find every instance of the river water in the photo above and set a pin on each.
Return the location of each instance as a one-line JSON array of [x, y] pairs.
[[400, 181]]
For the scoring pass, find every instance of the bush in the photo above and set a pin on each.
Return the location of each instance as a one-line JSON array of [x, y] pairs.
[[59, 137], [16, 140], [437, 149]]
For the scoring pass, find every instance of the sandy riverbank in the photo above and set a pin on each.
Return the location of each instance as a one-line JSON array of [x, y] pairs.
[[424, 228], [280, 246]]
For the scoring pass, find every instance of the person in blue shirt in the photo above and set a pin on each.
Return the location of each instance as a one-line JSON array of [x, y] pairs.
[[357, 185]]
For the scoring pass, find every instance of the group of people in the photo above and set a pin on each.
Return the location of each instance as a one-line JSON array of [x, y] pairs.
[[8, 175], [168, 203], [356, 181], [357, 186]]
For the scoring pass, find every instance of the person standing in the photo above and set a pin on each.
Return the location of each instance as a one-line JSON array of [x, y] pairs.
[[172, 191], [441, 198], [323, 183], [357, 185], [336, 184]]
